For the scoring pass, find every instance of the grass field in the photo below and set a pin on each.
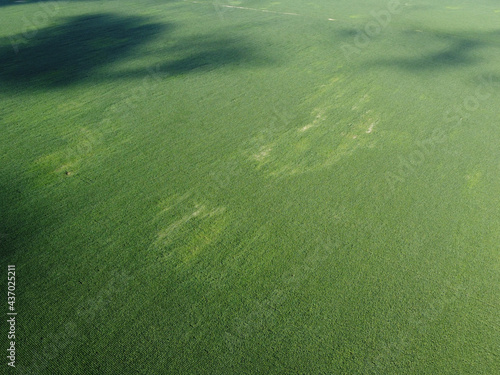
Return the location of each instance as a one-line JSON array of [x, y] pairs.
[[251, 187]]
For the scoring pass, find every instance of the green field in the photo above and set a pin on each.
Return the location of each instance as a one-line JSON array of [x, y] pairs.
[[251, 187]]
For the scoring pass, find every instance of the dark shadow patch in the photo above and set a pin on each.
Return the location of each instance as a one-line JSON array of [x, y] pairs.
[[200, 54], [347, 33], [26, 2], [462, 51], [211, 52], [458, 54], [62, 55], [84, 47], [489, 79]]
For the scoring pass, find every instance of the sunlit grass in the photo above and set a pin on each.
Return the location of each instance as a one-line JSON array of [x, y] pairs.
[[189, 187]]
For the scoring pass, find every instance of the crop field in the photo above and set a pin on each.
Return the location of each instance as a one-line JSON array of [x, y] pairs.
[[250, 187]]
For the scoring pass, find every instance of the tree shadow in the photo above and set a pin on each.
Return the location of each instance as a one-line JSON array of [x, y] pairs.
[[462, 51], [202, 54], [26, 2], [65, 54], [59, 56], [210, 53], [459, 53]]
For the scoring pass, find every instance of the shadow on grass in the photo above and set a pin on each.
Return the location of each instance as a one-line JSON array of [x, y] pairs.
[[65, 54], [209, 53], [462, 51], [201, 54], [459, 53], [25, 2], [59, 56]]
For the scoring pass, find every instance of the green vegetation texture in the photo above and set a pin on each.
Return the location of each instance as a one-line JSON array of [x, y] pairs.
[[251, 187]]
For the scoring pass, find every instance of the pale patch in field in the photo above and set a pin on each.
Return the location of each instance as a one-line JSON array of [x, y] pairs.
[[473, 179], [319, 118], [370, 129], [365, 98], [264, 152], [326, 90], [66, 169], [191, 226], [329, 136], [172, 202], [177, 224], [66, 161]]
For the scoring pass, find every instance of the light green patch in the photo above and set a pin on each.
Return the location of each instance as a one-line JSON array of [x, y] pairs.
[[187, 227], [319, 144], [329, 88], [474, 179], [48, 168], [330, 135], [67, 161], [208, 229]]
